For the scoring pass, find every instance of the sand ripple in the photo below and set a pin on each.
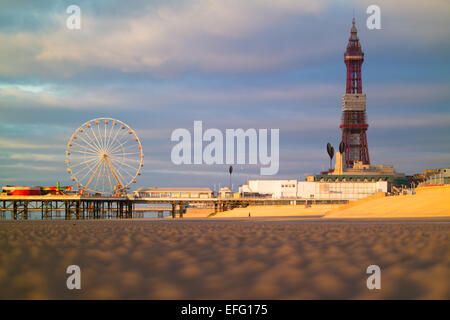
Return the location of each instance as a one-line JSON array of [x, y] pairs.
[[223, 259]]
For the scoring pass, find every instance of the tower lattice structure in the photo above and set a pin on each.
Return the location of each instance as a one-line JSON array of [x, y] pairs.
[[354, 125]]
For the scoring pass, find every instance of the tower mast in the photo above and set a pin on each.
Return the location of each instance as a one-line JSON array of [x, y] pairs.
[[354, 125]]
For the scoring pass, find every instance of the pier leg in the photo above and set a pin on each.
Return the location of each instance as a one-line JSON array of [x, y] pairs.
[[25, 210], [14, 209], [83, 207], [181, 209], [77, 209], [57, 213], [67, 210], [173, 210], [130, 210]]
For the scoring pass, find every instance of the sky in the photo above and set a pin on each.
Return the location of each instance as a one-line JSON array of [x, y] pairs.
[[160, 65]]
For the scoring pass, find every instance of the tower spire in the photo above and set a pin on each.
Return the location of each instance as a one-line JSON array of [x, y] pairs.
[[354, 57], [354, 124]]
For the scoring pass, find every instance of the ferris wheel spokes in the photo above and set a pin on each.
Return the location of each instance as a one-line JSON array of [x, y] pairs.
[[104, 155]]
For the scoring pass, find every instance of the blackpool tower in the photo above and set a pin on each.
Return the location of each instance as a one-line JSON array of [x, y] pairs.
[[354, 125]]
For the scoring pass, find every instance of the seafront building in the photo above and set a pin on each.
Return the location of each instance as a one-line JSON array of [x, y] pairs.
[[275, 189], [225, 193], [437, 176], [313, 190], [156, 192]]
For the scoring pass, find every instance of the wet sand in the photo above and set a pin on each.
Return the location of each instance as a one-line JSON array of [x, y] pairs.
[[258, 258]]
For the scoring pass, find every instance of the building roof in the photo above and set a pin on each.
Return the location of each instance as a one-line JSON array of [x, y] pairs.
[[395, 179], [150, 189]]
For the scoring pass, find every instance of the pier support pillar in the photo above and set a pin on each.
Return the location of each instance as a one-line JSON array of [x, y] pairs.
[[174, 206], [46, 209], [77, 209], [181, 209], [14, 209], [67, 210], [25, 210], [83, 204], [130, 209], [121, 209]]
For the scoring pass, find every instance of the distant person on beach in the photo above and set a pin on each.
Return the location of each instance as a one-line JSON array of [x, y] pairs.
[[249, 215]]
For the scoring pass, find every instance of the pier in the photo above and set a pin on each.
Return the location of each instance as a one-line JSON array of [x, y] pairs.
[[95, 207], [73, 207]]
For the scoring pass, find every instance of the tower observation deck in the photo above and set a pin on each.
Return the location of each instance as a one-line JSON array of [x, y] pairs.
[[354, 125]]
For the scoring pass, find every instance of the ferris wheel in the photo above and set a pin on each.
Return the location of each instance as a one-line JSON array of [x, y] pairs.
[[104, 155]]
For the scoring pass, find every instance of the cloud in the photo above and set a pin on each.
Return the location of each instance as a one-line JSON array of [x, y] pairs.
[[418, 21], [208, 35], [120, 96], [25, 144], [234, 36], [409, 92], [17, 95], [417, 121], [34, 157], [33, 169]]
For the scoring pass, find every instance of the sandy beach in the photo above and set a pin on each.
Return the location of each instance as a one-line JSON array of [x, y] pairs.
[[429, 202], [277, 211], [258, 258]]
